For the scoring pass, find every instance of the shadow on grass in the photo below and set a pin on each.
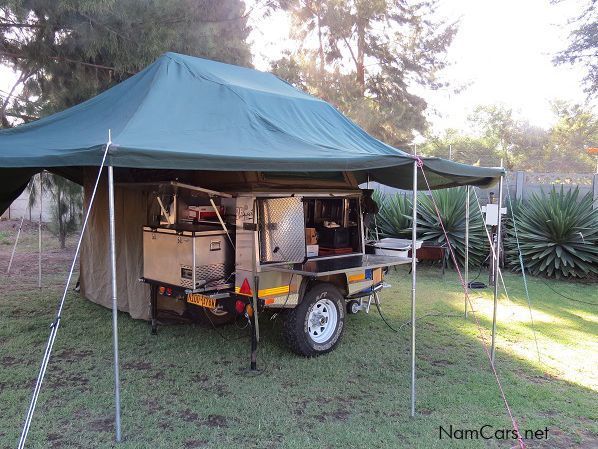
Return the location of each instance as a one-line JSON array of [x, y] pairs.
[[187, 387]]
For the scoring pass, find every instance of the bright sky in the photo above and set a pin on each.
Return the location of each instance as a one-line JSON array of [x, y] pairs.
[[503, 51]]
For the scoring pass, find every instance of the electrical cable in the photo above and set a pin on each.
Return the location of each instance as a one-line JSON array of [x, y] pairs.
[[569, 298]]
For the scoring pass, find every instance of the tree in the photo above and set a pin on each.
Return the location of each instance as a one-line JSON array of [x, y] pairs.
[[66, 51], [576, 129], [583, 45], [365, 56], [66, 204], [498, 135], [467, 149]]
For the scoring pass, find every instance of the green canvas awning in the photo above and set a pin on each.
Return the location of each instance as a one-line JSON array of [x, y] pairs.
[[188, 113]]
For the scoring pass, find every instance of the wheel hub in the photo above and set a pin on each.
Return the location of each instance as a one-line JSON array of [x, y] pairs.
[[322, 320]]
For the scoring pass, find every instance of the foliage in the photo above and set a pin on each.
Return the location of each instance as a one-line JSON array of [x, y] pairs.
[[558, 235], [583, 45], [451, 205], [394, 220], [66, 204], [497, 135], [575, 129], [394, 216], [67, 51], [366, 56]]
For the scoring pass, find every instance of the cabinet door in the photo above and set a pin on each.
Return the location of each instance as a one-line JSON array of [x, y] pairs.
[[281, 229]]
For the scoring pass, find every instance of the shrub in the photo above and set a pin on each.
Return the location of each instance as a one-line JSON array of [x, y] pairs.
[[451, 205], [394, 216], [558, 235], [394, 220]]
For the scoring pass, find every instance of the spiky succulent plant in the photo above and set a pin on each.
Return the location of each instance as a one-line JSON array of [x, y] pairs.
[[451, 205], [558, 234]]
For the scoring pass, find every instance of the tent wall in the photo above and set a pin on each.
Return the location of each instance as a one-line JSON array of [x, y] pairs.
[[130, 208]]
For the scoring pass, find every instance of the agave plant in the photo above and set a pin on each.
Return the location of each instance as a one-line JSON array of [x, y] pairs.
[[558, 235], [394, 216], [451, 205]]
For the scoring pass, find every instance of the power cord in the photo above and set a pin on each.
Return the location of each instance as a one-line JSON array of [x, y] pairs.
[[568, 297]]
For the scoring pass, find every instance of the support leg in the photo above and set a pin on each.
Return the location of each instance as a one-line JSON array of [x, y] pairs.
[[253, 358], [154, 308]]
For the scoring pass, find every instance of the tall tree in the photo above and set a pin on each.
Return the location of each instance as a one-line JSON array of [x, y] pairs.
[[575, 130], [66, 51], [366, 56], [583, 44], [522, 146]]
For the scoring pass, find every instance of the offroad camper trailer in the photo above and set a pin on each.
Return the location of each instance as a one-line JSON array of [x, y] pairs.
[[298, 251]]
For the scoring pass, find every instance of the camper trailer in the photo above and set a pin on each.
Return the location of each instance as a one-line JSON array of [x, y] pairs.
[[299, 251]]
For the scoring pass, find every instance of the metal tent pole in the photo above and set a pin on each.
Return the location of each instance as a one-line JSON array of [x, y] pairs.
[[466, 267], [114, 301], [56, 323], [413, 283], [39, 230], [14, 248], [496, 267]]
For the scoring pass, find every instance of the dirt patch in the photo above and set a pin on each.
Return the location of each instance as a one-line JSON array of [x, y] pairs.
[[216, 421], [153, 405], [190, 444], [206, 383], [535, 378], [441, 362], [7, 361], [139, 366], [72, 355], [102, 425], [189, 416], [58, 378], [55, 440]]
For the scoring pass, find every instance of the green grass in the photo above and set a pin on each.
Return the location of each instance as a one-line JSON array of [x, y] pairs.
[[187, 387]]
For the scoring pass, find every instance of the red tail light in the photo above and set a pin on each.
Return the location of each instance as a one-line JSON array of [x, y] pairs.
[[239, 306]]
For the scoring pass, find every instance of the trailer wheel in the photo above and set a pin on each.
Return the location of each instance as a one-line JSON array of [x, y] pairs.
[[209, 317], [316, 325]]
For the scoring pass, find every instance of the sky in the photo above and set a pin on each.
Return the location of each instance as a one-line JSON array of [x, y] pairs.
[[502, 52]]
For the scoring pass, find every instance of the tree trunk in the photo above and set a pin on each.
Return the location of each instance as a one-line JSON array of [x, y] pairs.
[[321, 47], [360, 65], [61, 224]]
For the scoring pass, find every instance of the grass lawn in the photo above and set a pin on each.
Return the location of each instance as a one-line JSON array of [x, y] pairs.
[[188, 388]]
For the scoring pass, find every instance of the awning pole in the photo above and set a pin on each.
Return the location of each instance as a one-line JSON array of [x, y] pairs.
[[496, 266], [413, 283], [56, 323], [466, 268], [39, 230], [114, 301]]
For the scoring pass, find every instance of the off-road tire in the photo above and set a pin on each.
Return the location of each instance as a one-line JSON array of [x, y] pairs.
[[295, 325]]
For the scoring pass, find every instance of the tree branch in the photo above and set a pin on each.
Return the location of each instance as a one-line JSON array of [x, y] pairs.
[[72, 61]]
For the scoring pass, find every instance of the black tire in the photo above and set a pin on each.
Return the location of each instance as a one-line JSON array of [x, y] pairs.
[[296, 325], [209, 317]]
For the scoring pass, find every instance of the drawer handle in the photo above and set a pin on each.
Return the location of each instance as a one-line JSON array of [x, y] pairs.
[[215, 245]]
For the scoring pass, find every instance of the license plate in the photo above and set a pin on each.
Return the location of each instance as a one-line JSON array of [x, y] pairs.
[[201, 300]]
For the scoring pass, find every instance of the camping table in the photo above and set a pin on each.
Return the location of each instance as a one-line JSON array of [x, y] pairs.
[[334, 265]]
